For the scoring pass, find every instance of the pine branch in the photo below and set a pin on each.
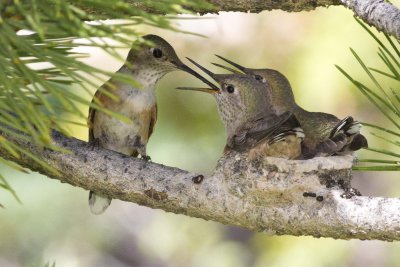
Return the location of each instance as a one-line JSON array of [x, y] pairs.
[[36, 68], [262, 196], [384, 98]]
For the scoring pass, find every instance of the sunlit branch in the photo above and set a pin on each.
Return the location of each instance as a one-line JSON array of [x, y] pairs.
[[380, 14], [275, 195]]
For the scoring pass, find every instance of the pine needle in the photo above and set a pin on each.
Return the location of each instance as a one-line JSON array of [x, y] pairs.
[[386, 100], [35, 100]]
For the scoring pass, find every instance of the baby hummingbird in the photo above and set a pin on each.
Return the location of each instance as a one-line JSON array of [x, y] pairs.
[[146, 65], [325, 134], [251, 124]]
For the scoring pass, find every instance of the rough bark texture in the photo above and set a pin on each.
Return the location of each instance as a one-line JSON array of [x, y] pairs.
[[265, 195], [253, 6], [383, 15], [378, 13], [258, 6]]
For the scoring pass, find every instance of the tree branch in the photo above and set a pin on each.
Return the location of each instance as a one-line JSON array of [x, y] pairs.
[[259, 195], [378, 13], [253, 6], [383, 15]]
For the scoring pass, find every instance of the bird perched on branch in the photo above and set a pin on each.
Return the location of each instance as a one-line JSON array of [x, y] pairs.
[[146, 65], [325, 134], [251, 125]]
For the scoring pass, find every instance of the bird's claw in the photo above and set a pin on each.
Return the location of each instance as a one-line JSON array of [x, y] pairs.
[[94, 143], [146, 158]]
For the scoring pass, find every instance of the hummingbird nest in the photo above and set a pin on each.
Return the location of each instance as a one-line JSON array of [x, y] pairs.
[[273, 195], [270, 176]]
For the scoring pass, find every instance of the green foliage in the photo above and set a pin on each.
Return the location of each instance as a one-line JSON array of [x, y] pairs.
[[33, 100], [386, 100]]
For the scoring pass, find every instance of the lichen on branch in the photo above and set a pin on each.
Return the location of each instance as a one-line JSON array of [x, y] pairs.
[[278, 196], [378, 13]]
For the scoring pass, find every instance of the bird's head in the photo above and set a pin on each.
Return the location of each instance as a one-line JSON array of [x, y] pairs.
[[156, 57], [281, 91], [239, 97]]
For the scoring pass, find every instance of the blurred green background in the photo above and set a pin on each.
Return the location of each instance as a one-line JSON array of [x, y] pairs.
[[54, 222]]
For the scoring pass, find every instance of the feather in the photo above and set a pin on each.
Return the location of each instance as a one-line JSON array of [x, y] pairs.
[[271, 129]]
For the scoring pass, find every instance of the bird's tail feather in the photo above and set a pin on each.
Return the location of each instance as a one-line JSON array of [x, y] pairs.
[[281, 136], [290, 126], [97, 203], [348, 126]]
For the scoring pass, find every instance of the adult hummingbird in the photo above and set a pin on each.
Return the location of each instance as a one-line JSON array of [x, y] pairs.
[[250, 122], [325, 134], [147, 64]]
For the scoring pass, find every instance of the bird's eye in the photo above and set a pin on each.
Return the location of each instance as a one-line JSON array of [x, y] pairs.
[[157, 52], [259, 78], [230, 88]]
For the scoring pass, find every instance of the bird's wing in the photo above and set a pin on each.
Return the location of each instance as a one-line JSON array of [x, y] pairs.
[[153, 119], [348, 126], [103, 100], [271, 128], [345, 137], [329, 146]]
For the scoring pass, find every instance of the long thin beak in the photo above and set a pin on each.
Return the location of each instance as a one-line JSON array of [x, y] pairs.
[[233, 63], [187, 69], [206, 90], [227, 68], [209, 73]]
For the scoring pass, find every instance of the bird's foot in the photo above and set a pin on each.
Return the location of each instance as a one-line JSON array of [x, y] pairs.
[[94, 143], [145, 158]]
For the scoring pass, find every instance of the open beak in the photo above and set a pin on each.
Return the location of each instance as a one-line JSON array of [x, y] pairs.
[[241, 68], [227, 68], [213, 89], [200, 89], [209, 73], [184, 67]]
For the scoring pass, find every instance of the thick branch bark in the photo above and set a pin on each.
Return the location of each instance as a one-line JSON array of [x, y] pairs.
[[378, 13], [254, 6], [383, 15], [260, 195]]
